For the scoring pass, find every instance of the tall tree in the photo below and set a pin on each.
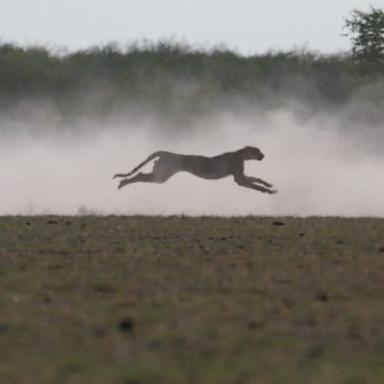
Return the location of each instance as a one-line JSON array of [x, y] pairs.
[[366, 30]]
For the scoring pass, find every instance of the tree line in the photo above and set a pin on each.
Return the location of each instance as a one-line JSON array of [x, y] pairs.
[[173, 77]]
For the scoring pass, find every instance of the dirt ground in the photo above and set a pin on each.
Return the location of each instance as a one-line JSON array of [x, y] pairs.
[[132, 300]]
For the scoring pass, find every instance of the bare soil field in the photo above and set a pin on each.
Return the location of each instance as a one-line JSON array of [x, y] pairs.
[[132, 300]]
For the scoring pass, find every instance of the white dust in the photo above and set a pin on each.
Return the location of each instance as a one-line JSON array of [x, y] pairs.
[[317, 167]]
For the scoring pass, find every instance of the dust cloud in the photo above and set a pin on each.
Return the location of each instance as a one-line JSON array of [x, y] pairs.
[[318, 166]]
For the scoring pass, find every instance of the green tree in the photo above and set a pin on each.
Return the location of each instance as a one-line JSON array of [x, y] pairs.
[[366, 30]]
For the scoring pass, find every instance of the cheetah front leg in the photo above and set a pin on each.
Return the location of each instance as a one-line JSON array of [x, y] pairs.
[[259, 181], [247, 182]]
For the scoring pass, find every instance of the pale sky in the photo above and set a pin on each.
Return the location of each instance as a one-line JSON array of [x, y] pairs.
[[249, 26]]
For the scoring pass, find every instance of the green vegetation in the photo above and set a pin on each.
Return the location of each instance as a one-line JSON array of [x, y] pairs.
[[175, 79], [191, 300], [367, 33]]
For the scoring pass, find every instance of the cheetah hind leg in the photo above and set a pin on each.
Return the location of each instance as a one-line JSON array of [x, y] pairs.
[[154, 177], [140, 177]]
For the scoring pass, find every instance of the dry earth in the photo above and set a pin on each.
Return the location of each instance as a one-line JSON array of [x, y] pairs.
[[191, 300]]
